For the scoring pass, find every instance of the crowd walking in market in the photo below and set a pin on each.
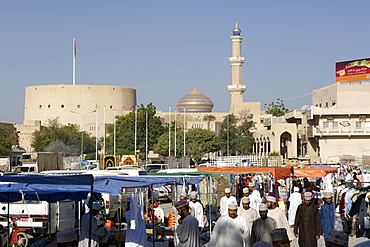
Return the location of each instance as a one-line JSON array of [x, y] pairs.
[[247, 210], [307, 212]]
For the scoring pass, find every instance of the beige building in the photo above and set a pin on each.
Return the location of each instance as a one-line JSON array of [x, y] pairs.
[[335, 128], [92, 107], [340, 120]]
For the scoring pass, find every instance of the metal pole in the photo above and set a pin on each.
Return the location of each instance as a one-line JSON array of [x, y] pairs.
[[227, 135], [184, 134], [74, 49], [96, 135], [175, 133], [104, 133], [114, 135], [82, 138], [135, 129], [146, 137], [169, 131]]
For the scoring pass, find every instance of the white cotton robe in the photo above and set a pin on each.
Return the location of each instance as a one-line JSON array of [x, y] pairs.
[[224, 204], [198, 212], [255, 199], [188, 232], [96, 232], [250, 215], [295, 200], [230, 232], [136, 228], [281, 221]]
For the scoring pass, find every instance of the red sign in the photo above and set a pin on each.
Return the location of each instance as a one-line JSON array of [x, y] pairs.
[[351, 71]]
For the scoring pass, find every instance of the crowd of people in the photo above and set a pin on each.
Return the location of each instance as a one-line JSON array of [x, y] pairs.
[[304, 215], [258, 219]]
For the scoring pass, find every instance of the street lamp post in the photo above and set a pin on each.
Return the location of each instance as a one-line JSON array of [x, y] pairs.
[[82, 129], [114, 134], [169, 131], [175, 133], [184, 134], [227, 134], [146, 137], [135, 129], [96, 135]]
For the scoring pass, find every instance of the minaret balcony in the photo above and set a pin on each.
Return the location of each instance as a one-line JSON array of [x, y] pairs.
[[236, 89], [236, 61]]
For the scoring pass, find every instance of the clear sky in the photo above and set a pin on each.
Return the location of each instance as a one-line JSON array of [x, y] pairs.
[[164, 48]]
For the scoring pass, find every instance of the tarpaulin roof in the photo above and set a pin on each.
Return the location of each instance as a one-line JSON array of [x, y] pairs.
[[113, 184], [84, 179], [277, 172], [49, 188], [313, 172]]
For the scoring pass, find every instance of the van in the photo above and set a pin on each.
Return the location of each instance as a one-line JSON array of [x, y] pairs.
[[129, 171]]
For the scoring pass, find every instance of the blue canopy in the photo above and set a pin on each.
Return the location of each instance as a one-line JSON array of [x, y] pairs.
[[113, 184], [49, 188]]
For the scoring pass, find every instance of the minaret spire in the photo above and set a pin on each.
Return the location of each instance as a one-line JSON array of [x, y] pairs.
[[236, 61]]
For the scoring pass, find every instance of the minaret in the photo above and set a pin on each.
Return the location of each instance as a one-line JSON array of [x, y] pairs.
[[236, 88]]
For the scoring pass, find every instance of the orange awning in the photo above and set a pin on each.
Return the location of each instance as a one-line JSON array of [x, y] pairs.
[[277, 172], [313, 172]]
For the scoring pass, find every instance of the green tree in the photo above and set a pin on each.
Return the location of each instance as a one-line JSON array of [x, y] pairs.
[[146, 119], [209, 118], [227, 134], [276, 108], [161, 146], [200, 142], [62, 138], [235, 135], [5, 141]]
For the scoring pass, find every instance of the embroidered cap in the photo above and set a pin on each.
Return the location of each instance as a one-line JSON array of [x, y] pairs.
[[262, 207], [245, 190], [181, 204], [233, 205], [327, 195], [96, 206], [261, 244], [227, 190], [271, 199], [246, 200], [307, 196], [279, 234]]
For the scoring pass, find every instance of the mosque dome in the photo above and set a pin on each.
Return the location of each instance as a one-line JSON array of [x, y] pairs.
[[236, 30], [195, 101]]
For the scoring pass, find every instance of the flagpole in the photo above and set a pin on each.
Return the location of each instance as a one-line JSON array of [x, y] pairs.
[[74, 61]]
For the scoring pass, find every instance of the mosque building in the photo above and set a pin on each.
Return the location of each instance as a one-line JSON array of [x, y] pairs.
[[196, 106], [94, 106]]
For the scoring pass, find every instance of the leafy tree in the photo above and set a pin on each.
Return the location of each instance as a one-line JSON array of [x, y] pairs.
[[5, 141], [227, 134], [67, 139], [125, 131], [209, 118], [276, 108], [235, 135], [161, 146], [200, 142]]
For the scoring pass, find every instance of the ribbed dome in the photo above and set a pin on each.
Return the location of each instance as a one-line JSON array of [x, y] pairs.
[[195, 101]]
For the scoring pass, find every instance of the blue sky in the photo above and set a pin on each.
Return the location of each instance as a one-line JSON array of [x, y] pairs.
[[164, 48]]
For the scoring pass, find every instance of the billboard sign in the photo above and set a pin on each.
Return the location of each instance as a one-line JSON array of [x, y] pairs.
[[354, 70]]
